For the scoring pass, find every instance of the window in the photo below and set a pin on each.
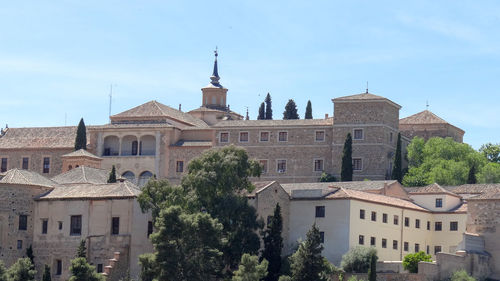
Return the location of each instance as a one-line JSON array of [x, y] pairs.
[[4, 165], [390, 137], [115, 225], [374, 216], [263, 164], [362, 214], [453, 225], [358, 134], [357, 164], [428, 225], [283, 136], [384, 218], [318, 165], [396, 220], [264, 136], [60, 225], [25, 165], [19, 244], [243, 136], [384, 243], [320, 136], [281, 166], [427, 250], [405, 246], [361, 240], [179, 166], [46, 165], [437, 249], [224, 137], [407, 221], [23, 222], [372, 241], [320, 211], [45, 226], [417, 223], [58, 267], [150, 228], [438, 226], [439, 202], [134, 148], [322, 236], [417, 247], [395, 244], [76, 225], [99, 268]]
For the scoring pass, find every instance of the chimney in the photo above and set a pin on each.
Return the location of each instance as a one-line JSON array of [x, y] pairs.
[[180, 106]]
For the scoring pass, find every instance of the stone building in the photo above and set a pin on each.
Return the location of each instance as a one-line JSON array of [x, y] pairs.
[[426, 125]]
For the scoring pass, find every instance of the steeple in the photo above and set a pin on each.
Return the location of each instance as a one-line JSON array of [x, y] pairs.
[[215, 75]]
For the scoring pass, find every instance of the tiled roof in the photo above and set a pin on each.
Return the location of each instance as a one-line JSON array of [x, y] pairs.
[[133, 126], [424, 117], [84, 191], [259, 186], [39, 137], [25, 177], [492, 194], [473, 188], [271, 123], [344, 193], [154, 109], [329, 187], [192, 143], [431, 189], [81, 153], [364, 97], [206, 109], [324, 186], [83, 174]]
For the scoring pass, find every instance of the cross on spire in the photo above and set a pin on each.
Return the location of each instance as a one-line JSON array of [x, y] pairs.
[[216, 71]]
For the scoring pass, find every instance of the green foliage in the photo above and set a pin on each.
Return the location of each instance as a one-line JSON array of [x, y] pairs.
[[290, 111], [309, 114], [491, 152], [471, 178], [358, 259], [346, 172], [148, 267], [354, 278], [273, 244], [81, 136], [46, 274], [22, 270], [81, 270], [325, 177], [397, 169], [3, 272], [372, 271], [490, 173], [29, 254], [285, 278], [262, 112], [112, 175], [250, 269], [410, 261], [461, 275], [269, 109], [159, 194], [81, 252]]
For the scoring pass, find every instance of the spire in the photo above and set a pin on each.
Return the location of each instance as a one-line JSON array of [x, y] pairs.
[[215, 75]]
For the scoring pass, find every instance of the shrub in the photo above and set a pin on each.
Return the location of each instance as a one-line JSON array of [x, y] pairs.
[[357, 260], [462, 275], [410, 261]]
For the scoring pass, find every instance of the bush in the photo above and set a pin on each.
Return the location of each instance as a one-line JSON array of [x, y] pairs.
[[354, 278], [357, 260], [410, 261], [462, 275]]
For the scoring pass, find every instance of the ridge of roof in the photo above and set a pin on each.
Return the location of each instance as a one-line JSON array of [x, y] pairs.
[[26, 177], [365, 97], [432, 189], [81, 152], [423, 117]]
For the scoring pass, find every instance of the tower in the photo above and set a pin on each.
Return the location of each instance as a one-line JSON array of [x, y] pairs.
[[214, 94]]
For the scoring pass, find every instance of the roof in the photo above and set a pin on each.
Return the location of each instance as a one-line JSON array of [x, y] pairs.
[[329, 187], [259, 186], [492, 194], [364, 97], [207, 109], [39, 137], [423, 118], [83, 174], [192, 143], [473, 188], [431, 189], [271, 123], [153, 110], [344, 193], [26, 177], [82, 191], [81, 153]]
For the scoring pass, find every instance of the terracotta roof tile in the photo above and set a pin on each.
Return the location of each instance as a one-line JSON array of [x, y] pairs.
[[423, 117], [364, 97], [431, 189], [84, 191], [271, 123], [344, 193], [328, 187], [83, 174], [81, 153], [25, 177], [39, 137]]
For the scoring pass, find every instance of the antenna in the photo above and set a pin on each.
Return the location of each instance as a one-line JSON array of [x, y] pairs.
[[367, 87]]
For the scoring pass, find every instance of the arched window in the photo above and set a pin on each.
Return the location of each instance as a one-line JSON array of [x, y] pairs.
[[144, 177], [129, 176], [70, 167], [134, 148]]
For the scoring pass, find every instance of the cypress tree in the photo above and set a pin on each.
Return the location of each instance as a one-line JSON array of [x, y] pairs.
[[471, 179], [290, 110], [307, 263], [29, 254], [372, 271], [112, 175], [273, 244], [262, 112], [46, 274], [81, 252], [397, 169], [346, 172], [309, 111], [81, 136], [269, 110]]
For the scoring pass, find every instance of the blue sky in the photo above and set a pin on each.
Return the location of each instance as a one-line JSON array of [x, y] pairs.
[[59, 58]]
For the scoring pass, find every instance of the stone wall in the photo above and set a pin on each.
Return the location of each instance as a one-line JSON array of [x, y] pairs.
[[428, 131], [15, 159]]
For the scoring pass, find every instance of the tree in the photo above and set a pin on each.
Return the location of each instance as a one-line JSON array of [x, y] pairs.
[[372, 271], [290, 111], [490, 173], [397, 169], [112, 175], [461, 275], [29, 254], [325, 177], [250, 269], [346, 172], [3, 272], [410, 261], [148, 267], [22, 270], [358, 259], [81, 136], [273, 244], [81, 252], [46, 274], [491, 152], [262, 112], [269, 110], [81, 270], [471, 178], [309, 111], [159, 194]]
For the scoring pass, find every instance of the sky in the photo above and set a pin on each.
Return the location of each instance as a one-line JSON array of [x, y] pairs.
[[58, 59]]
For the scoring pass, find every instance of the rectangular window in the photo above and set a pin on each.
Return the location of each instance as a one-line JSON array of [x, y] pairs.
[[45, 226], [281, 167], [453, 225], [322, 236], [320, 136], [263, 164], [150, 228], [361, 240], [59, 225], [372, 241], [99, 268], [358, 134], [318, 165], [438, 226], [19, 244], [405, 246], [357, 164], [243, 136], [320, 211], [115, 225], [428, 225], [224, 137], [264, 136], [395, 244], [384, 218], [374, 216], [439, 202], [362, 214], [283, 136], [417, 223], [179, 166], [25, 165], [390, 137], [437, 249], [396, 220], [23, 222], [427, 250], [3, 167], [407, 221], [58, 267], [46, 165], [417, 247], [384, 243], [76, 225]]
